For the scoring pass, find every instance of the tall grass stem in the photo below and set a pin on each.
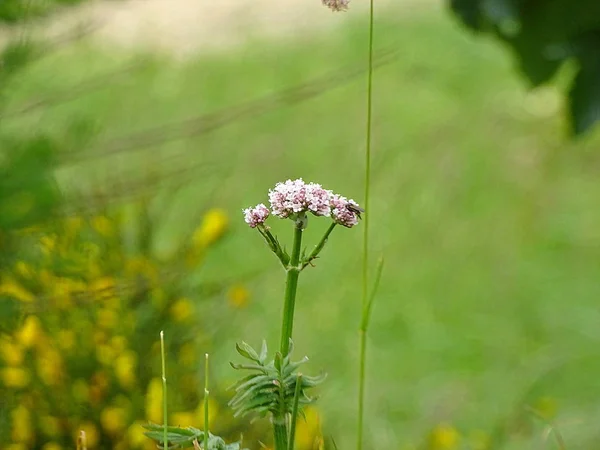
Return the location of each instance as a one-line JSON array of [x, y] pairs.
[[164, 383], [206, 401], [365, 252], [294, 418]]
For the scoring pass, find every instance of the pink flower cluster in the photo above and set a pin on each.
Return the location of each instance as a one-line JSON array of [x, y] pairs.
[[256, 215], [344, 211], [336, 5], [294, 197]]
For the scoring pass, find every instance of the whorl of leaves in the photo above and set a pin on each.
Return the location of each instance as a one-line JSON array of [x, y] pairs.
[[271, 388]]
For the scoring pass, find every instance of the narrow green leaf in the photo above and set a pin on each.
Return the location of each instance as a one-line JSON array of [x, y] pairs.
[[247, 351]]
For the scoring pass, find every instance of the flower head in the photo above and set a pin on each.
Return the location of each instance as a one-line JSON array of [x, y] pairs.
[[344, 211], [336, 5], [257, 215], [288, 198]]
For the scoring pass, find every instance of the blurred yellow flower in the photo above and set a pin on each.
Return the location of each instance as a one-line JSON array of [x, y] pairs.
[[213, 411], [51, 446], [106, 318], [91, 433], [24, 269], [119, 344], [238, 296], [135, 434], [48, 244], [186, 419], [113, 420], [113, 302], [103, 226], [154, 401], [30, 332], [12, 288], [182, 310], [15, 377], [105, 354], [46, 279], [21, 425], [49, 366], [479, 440], [66, 339], [308, 429], [61, 292], [49, 425], [17, 447], [124, 367], [444, 437], [213, 226], [11, 352]]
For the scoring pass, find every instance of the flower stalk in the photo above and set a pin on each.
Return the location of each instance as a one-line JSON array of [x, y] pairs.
[[269, 391]]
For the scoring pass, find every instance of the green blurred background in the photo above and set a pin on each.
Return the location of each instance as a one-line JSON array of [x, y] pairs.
[[486, 325]]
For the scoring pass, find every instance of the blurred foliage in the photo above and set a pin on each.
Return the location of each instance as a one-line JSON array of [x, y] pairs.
[[543, 36], [86, 355], [13, 11]]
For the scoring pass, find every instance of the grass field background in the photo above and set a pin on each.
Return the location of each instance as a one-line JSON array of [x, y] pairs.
[[487, 217]]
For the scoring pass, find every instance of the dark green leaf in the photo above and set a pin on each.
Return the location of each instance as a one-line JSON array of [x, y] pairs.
[[584, 97]]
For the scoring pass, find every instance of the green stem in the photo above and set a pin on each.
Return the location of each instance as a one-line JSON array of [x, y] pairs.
[[280, 433], [206, 402], [319, 246], [295, 413], [365, 255], [293, 271], [164, 383]]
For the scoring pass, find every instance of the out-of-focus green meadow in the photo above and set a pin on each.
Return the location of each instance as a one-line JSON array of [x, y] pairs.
[[486, 215]]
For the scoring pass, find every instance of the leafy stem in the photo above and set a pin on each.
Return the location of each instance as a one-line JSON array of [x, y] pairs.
[[272, 388]]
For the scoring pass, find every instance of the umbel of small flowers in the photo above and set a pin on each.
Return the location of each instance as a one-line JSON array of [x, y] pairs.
[[296, 200]]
